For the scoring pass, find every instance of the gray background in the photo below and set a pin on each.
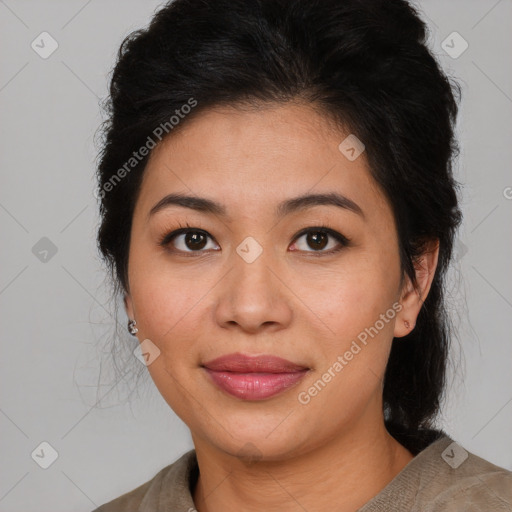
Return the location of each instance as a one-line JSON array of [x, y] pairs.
[[55, 314]]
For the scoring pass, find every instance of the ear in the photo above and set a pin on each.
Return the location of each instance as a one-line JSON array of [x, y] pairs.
[[128, 306], [412, 298]]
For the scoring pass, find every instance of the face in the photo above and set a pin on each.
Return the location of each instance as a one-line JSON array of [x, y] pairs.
[[314, 283]]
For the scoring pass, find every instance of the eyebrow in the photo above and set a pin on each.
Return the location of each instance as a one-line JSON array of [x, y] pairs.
[[296, 204]]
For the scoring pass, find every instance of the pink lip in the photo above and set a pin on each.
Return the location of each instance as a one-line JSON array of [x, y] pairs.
[[254, 377]]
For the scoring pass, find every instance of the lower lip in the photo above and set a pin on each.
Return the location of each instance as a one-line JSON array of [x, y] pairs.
[[255, 386]]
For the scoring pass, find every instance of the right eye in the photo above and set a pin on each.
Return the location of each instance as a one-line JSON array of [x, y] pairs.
[[186, 240]]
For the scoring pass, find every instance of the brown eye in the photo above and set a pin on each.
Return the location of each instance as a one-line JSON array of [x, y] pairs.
[[317, 239], [195, 241], [187, 240]]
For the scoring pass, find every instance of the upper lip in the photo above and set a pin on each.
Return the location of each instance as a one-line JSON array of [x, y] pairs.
[[241, 363]]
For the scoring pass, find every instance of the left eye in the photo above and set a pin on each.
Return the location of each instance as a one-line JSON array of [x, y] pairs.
[[318, 239]]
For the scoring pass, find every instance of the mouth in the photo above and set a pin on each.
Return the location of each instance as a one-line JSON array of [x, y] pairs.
[[254, 377]]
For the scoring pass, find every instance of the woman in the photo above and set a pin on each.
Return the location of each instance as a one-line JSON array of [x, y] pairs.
[[278, 210]]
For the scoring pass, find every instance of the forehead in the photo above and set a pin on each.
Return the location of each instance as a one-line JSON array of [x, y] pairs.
[[253, 159]]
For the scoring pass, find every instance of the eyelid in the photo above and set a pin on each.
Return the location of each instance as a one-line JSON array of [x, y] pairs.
[[169, 235], [324, 229]]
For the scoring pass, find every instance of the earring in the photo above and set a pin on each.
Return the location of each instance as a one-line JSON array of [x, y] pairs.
[[407, 324], [131, 327]]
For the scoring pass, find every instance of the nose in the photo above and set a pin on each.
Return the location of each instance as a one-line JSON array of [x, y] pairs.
[[253, 296]]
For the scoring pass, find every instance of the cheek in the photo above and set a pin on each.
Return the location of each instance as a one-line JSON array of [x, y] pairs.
[[353, 298], [359, 310], [166, 295], [363, 311], [160, 300], [169, 314]]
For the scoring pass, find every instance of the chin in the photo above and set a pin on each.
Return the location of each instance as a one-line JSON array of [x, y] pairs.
[[256, 440]]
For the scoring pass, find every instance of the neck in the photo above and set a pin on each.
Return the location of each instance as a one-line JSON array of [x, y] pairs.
[[348, 471]]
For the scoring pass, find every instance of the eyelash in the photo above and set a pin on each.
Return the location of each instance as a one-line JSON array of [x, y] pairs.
[[166, 239]]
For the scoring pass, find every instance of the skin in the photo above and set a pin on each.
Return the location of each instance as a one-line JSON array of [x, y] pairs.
[[289, 302]]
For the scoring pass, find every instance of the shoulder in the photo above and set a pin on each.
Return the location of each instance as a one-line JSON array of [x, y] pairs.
[[128, 501], [444, 477], [465, 481], [170, 483]]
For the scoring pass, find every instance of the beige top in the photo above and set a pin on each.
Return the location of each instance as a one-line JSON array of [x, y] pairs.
[[442, 477]]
